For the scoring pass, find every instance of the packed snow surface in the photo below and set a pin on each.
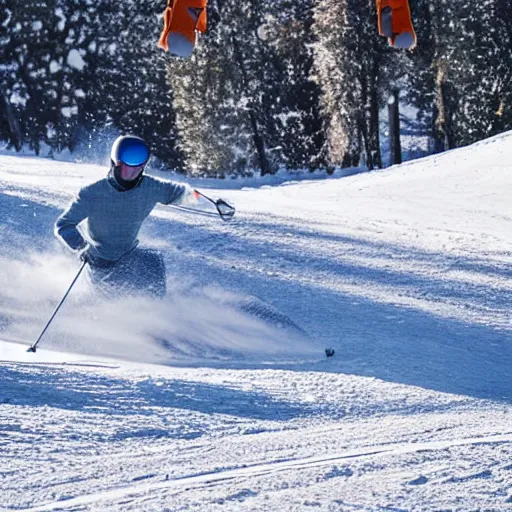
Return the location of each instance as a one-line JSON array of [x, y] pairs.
[[193, 404]]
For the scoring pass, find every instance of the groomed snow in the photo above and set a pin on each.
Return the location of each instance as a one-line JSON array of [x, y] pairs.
[[406, 272]]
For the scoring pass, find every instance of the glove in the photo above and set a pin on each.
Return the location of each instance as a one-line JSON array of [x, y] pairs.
[[189, 198], [84, 255]]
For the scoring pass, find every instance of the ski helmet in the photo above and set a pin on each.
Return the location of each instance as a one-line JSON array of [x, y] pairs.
[[129, 156], [129, 150]]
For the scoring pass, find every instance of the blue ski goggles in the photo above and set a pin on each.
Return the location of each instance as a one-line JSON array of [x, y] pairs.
[[134, 154]]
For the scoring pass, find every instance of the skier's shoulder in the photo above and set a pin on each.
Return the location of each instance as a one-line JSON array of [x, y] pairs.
[[156, 182], [164, 191], [92, 190], [151, 181]]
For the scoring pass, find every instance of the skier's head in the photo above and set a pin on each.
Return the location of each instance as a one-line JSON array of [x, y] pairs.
[[128, 157]]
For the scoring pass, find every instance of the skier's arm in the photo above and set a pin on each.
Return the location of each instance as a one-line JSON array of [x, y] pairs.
[[184, 195], [66, 227], [178, 194]]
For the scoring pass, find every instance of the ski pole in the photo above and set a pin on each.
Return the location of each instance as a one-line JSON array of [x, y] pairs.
[[225, 210], [32, 348]]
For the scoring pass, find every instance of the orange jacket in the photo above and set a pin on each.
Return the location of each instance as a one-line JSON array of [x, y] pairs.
[[401, 16], [184, 16]]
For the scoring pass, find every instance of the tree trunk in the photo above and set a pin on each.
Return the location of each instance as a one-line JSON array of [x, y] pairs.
[[364, 124], [443, 121], [395, 149], [259, 144], [14, 125], [374, 115], [259, 141]]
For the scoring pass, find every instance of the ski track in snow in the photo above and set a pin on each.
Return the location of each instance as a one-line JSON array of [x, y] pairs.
[[406, 272], [190, 439], [210, 479]]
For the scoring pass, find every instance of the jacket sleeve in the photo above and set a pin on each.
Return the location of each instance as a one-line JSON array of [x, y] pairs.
[[66, 227], [176, 193]]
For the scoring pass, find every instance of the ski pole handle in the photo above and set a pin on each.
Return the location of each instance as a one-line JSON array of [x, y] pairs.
[[224, 209]]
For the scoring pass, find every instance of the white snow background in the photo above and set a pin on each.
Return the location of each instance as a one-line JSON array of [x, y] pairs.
[[191, 404]]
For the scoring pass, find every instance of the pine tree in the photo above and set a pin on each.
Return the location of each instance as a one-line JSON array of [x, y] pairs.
[[35, 87], [295, 119], [462, 69], [218, 95], [76, 73], [502, 35], [125, 80], [350, 64], [10, 128], [245, 101], [214, 130]]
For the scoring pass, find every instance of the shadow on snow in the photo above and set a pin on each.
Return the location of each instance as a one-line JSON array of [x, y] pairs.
[[387, 341]]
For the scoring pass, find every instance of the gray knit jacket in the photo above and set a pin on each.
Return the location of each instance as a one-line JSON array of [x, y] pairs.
[[113, 218]]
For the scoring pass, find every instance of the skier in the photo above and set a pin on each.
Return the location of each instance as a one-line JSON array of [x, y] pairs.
[[114, 209]]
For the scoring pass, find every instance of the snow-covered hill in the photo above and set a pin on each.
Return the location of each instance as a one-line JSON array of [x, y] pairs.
[[406, 272]]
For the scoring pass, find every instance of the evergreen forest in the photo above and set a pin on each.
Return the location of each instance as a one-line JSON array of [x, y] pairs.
[[293, 84]]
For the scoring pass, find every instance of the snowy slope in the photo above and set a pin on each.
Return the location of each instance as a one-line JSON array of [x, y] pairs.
[[406, 272]]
